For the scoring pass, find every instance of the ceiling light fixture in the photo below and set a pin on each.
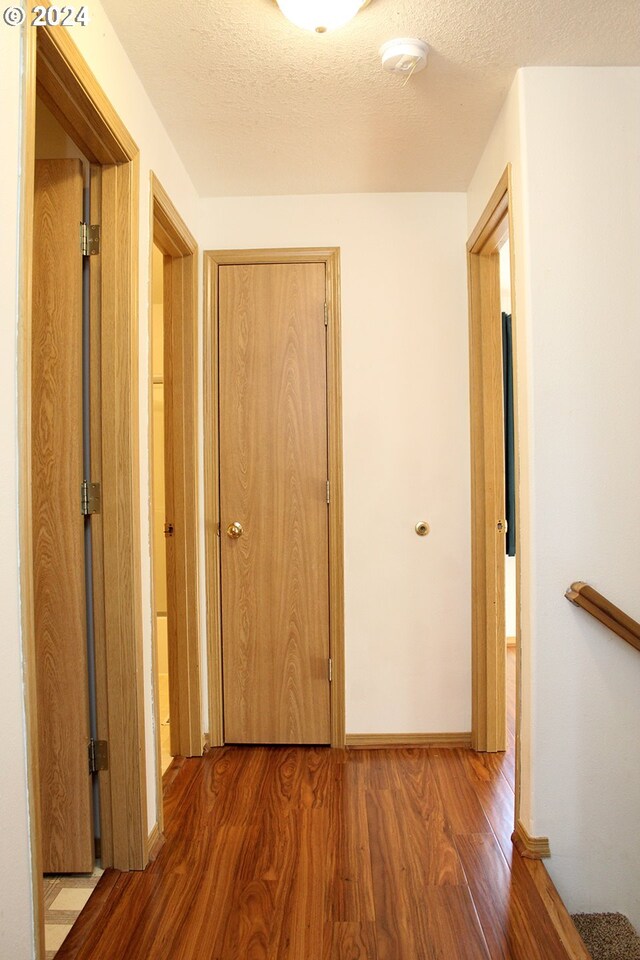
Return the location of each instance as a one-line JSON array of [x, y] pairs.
[[320, 16]]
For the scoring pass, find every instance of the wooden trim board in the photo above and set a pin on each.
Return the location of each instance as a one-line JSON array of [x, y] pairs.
[[368, 741], [531, 848], [77, 100], [212, 260], [488, 646], [56, 70], [155, 842], [169, 231], [487, 486], [27, 156], [557, 911], [211, 503]]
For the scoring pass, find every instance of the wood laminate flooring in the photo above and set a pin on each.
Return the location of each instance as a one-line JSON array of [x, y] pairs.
[[291, 853]]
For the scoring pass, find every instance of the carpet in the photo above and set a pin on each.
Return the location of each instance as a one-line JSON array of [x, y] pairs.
[[608, 936]]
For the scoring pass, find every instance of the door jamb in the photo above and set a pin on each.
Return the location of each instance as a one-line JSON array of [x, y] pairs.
[[53, 65], [489, 660], [213, 259], [170, 233]]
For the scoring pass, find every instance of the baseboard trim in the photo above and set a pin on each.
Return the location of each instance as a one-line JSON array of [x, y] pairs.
[[531, 848], [154, 843], [206, 744], [557, 911], [372, 741]]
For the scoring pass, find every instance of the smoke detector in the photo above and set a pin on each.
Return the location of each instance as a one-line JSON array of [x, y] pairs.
[[404, 56]]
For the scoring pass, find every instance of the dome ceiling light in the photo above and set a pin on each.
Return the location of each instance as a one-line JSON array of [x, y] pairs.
[[320, 16]]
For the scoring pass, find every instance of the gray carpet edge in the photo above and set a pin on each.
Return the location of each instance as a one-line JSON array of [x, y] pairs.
[[608, 936]]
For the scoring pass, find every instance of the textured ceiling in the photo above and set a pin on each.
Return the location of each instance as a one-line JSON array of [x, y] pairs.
[[257, 106]]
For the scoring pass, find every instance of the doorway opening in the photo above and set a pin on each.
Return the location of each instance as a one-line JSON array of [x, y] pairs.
[[62, 537], [510, 604], [78, 424], [494, 479], [161, 528], [174, 491]]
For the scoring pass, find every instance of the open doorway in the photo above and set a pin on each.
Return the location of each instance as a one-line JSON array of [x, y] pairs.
[[494, 467], [161, 527], [173, 481], [78, 474], [495, 496], [510, 605], [488, 471], [62, 531]]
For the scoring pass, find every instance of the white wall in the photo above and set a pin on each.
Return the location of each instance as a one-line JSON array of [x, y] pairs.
[[101, 48], [406, 440], [583, 145], [573, 137]]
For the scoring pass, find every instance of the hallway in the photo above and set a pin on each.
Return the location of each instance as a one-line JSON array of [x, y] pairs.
[[317, 854]]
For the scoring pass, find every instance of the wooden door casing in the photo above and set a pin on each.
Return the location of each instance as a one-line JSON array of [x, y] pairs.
[[58, 525], [273, 477], [489, 731]]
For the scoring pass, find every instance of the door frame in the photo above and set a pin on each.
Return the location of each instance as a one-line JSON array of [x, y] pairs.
[[485, 352], [180, 320], [55, 68], [213, 260]]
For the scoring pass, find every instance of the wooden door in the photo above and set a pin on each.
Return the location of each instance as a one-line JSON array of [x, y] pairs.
[[273, 482], [58, 525]]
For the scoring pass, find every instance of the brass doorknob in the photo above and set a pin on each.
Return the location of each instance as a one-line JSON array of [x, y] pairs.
[[235, 530]]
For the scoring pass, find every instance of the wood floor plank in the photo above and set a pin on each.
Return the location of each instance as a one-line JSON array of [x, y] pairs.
[[350, 941], [426, 834], [495, 795], [489, 880], [463, 808], [398, 884], [350, 889], [254, 910], [453, 926], [302, 903]]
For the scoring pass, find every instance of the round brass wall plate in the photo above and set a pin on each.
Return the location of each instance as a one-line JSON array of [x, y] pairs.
[[422, 528]]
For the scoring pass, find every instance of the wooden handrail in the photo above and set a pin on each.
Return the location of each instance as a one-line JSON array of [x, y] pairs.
[[582, 595]]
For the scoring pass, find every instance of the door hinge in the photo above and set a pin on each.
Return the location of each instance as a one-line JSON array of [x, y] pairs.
[[328, 491], [89, 239], [326, 314], [89, 498], [98, 755], [330, 669]]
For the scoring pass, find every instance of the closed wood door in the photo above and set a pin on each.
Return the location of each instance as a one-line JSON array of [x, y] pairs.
[[273, 483], [58, 525]]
